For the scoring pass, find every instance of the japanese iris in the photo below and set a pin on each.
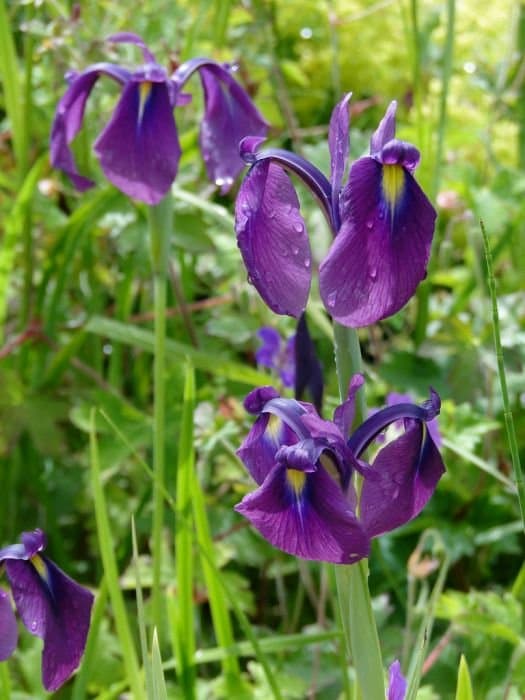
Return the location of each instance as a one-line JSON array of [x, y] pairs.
[[139, 148], [306, 503], [381, 220], [52, 606]]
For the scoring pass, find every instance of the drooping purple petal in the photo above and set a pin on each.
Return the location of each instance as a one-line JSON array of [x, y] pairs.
[[339, 144], [397, 685], [70, 114], [55, 608], [229, 116], [272, 238], [139, 148], [306, 515], [381, 251], [385, 131], [8, 628], [256, 400], [32, 543], [409, 469]]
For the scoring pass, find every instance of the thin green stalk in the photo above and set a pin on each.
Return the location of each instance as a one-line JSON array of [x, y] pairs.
[[352, 581], [185, 609], [141, 617], [107, 552], [507, 412], [423, 293], [160, 225], [5, 683]]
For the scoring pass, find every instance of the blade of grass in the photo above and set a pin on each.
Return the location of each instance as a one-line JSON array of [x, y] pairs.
[[185, 613], [141, 617], [107, 552], [159, 691], [13, 93], [5, 683], [507, 412], [144, 340]]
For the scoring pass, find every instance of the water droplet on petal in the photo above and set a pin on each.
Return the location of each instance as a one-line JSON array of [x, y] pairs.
[[295, 250], [33, 626], [372, 273], [307, 263], [370, 224], [331, 299], [298, 227]]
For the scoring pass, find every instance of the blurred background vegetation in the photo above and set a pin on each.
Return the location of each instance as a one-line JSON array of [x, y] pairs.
[[76, 301]]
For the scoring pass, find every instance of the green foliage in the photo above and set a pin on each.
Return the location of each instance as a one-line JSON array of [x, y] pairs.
[[78, 344]]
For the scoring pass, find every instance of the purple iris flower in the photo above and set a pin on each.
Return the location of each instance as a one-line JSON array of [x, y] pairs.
[[52, 606], [397, 685], [276, 354], [381, 220], [306, 503], [433, 426], [139, 148]]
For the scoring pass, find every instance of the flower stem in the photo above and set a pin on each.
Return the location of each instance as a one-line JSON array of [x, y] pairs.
[[359, 625], [160, 223]]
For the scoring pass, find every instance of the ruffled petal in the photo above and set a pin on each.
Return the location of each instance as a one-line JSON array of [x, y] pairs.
[[408, 469], [70, 114], [55, 608], [139, 148], [272, 238], [8, 628], [339, 144], [229, 116], [307, 516], [381, 251]]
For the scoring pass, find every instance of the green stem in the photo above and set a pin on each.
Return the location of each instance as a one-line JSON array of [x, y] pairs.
[[160, 224], [507, 412], [355, 603]]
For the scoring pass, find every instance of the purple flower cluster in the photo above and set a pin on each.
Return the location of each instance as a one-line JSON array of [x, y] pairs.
[[139, 148], [381, 220], [52, 606], [305, 502]]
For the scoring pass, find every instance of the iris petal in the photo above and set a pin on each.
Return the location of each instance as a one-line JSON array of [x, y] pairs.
[[397, 685], [70, 114], [260, 446], [310, 519], [229, 116], [139, 148], [8, 629], [339, 145], [408, 470], [386, 129], [381, 251], [56, 609], [272, 238]]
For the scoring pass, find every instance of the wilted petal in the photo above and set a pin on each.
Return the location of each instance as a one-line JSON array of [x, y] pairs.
[[139, 148], [70, 114], [229, 116], [408, 469], [339, 144], [55, 608], [381, 251], [385, 131], [272, 238], [8, 629], [305, 514], [397, 685]]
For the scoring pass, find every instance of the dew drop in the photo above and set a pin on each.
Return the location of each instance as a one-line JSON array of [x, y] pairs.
[[295, 250], [298, 227], [331, 299], [370, 224], [34, 626], [307, 263], [372, 273]]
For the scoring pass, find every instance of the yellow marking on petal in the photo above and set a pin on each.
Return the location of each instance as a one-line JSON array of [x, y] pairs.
[[393, 183], [331, 467], [144, 93], [40, 567], [273, 427], [296, 479]]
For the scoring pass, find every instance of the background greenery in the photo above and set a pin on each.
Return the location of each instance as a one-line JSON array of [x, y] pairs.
[[76, 347]]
